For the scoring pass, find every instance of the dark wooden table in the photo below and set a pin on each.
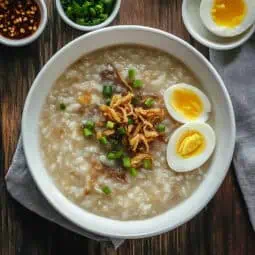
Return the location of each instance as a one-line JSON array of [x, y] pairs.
[[221, 228]]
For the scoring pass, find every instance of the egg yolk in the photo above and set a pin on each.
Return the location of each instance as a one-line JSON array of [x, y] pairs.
[[191, 143], [187, 103], [229, 13]]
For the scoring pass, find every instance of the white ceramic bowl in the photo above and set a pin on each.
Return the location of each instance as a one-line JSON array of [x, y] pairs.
[[195, 26], [213, 86], [68, 21], [33, 37]]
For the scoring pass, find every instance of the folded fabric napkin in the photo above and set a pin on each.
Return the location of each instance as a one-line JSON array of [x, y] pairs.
[[22, 188], [238, 71], [237, 68]]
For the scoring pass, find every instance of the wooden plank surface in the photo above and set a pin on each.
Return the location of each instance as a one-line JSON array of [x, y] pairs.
[[221, 228]]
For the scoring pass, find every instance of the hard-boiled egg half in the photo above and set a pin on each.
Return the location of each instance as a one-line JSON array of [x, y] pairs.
[[227, 18], [186, 103], [190, 146]]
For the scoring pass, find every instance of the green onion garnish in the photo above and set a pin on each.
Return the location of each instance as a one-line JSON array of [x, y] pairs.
[[121, 131], [131, 74], [92, 12], [87, 132], [126, 162], [130, 121], [133, 172], [107, 91], [149, 102], [103, 140], [114, 155], [62, 107], [137, 84], [111, 156], [108, 101], [147, 164], [88, 12], [110, 124], [90, 124], [106, 190], [161, 128]]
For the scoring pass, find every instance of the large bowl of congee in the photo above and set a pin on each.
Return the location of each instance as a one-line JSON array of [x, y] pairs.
[[128, 131]]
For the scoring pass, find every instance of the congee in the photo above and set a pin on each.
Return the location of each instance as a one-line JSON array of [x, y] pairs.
[[106, 128]]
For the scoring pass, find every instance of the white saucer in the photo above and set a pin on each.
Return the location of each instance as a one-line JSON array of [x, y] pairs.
[[194, 25]]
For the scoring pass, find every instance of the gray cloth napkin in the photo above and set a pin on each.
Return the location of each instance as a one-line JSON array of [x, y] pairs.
[[237, 68], [22, 188]]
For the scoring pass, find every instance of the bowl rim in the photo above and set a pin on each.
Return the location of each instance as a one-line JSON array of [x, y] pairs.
[[22, 42], [139, 234], [74, 25], [245, 36]]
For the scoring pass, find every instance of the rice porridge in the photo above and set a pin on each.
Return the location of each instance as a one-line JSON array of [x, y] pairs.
[[104, 131]]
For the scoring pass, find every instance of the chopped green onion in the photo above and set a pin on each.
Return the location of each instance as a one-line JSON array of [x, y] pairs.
[[130, 121], [103, 17], [106, 190], [81, 21], [90, 124], [69, 11], [121, 131], [87, 132], [92, 12], [126, 162], [107, 91], [110, 124], [62, 107], [111, 156], [99, 8], [87, 12], [108, 5], [133, 172], [119, 154], [161, 128], [147, 164], [114, 155], [131, 74], [103, 140], [137, 84], [149, 102], [135, 101], [108, 101]]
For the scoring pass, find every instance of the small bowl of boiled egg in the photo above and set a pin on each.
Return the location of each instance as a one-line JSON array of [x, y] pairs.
[[220, 24], [193, 143]]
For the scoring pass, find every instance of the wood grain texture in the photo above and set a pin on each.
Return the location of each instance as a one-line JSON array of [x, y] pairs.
[[221, 228]]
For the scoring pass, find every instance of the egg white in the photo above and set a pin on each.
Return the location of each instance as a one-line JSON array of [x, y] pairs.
[[180, 117], [180, 164], [205, 14]]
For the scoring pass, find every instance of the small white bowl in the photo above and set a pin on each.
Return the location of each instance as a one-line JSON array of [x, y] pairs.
[[212, 85], [71, 23], [195, 26], [34, 36]]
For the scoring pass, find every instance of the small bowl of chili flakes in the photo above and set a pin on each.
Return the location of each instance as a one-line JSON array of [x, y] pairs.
[[21, 21]]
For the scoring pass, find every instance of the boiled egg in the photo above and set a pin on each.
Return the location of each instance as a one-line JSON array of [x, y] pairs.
[[186, 103], [190, 146], [227, 18]]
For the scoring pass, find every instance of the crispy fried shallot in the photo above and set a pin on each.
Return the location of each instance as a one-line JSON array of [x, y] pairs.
[[113, 74], [138, 159], [141, 133]]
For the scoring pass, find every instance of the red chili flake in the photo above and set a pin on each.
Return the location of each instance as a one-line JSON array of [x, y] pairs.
[[16, 17]]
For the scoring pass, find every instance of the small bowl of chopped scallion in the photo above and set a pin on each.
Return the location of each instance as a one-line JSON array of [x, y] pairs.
[[88, 15]]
